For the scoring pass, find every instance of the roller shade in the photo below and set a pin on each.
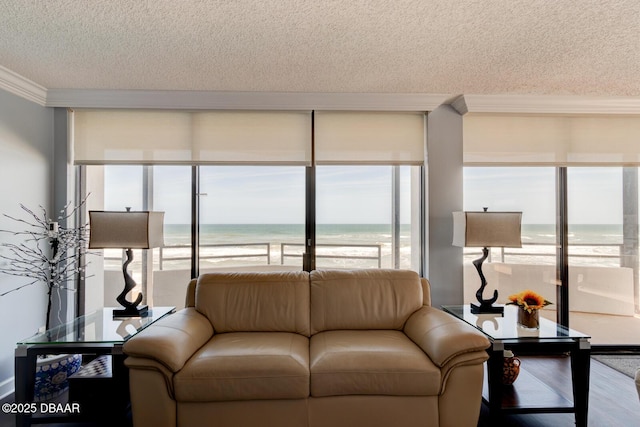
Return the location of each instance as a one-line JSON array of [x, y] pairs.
[[184, 137], [369, 137], [106, 136], [252, 137], [494, 139]]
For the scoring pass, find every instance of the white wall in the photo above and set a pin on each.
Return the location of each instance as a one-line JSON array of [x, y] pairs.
[[26, 157]]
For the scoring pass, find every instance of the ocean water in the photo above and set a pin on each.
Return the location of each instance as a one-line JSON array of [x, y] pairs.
[[249, 233], [176, 234], [578, 233], [347, 245], [369, 245], [594, 245]]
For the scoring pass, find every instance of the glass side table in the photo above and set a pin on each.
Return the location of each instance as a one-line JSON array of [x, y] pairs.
[[529, 394], [95, 334]]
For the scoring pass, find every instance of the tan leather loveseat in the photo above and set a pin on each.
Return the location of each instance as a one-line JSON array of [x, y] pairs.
[[326, 348]]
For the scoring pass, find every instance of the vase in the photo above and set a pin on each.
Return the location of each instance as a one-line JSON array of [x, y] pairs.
[[510, 370], [529, 320], [52, 373]]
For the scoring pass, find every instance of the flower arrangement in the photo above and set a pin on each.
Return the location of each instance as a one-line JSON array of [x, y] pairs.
[[528, 301]]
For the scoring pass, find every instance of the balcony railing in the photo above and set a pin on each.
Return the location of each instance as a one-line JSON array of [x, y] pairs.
[[265, 252], [503, 252], [377, 249]]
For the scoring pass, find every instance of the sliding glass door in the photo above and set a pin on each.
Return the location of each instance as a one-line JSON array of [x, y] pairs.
[[603, 253], [162, 273], [602, 244], [251, 217], [530, 190], [367, 216], [253, 190]]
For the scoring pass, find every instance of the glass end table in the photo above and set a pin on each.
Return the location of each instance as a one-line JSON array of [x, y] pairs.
[[95, 334], [531, 395]]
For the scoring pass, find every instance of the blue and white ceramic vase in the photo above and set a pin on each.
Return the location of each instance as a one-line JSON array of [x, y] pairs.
[[52, 375]]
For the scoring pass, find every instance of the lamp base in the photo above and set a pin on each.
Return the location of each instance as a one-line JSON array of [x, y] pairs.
[[487, 309], [140, 311]]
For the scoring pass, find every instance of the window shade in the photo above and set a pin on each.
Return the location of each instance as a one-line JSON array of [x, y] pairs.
[[493, 139], [202, 137], [252, 137], [369, 137], [113, 136]]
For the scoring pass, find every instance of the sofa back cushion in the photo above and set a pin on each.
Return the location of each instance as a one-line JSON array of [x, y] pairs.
[[363, 299], [255, 302]]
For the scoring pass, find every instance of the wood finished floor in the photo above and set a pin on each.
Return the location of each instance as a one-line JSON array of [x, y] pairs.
[[613, 400]]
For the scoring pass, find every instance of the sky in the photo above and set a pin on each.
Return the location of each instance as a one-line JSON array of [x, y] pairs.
[[362, 194], [263, 194], [594, 194]]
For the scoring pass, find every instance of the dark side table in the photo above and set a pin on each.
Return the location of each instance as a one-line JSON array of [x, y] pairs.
[[94, 334], [529, 394]]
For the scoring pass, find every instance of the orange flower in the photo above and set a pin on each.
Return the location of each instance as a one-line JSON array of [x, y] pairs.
[[528, 300]]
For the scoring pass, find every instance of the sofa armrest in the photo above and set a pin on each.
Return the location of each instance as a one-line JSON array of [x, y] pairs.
[[442, 336], [426, 291], [172, 340]]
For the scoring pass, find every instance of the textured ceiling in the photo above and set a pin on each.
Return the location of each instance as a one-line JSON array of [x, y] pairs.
[[546, 47]]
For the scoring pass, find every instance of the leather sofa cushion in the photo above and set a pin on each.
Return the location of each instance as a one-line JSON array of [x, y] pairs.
[[382, 362], [363, 299], [246, 366], [255, 302]]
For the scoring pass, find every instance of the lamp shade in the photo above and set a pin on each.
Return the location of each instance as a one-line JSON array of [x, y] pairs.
[[130, 230], [487, 229]]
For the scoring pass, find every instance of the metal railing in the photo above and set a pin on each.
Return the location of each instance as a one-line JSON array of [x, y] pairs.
[[162, 257], [377, 257], [267, 254], [512, 253]]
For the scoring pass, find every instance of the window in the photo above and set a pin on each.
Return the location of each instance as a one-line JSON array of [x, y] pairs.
[[595, 195], [251, 217], [248, 173], [511, 270], [603, 249], [366, 215], [161, 273]]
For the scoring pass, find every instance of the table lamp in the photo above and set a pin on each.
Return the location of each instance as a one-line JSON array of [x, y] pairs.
[[485, 230], [126, 230]]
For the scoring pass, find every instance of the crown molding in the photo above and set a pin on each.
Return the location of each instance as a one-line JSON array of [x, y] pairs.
[[21, 86], [459, 104], [196, 100], [546, 104]]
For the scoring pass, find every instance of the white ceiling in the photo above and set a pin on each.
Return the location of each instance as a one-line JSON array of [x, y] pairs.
[[532, 47]]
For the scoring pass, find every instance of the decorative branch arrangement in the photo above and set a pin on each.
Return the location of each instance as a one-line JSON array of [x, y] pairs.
[[51, 253]]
